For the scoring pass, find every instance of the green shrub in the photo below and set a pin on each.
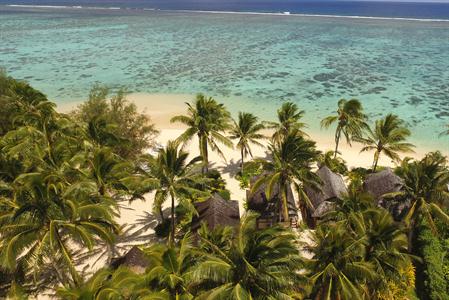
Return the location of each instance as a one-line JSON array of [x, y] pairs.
[[431, 275]]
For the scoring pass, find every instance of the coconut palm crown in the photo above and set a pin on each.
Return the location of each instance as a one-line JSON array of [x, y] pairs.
[[207, 119], [388, 136], [290, 164], [176, 177], [289, 119], [350, 121], [247, 132]]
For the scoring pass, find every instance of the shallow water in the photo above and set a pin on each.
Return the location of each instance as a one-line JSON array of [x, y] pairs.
[[251, 62]]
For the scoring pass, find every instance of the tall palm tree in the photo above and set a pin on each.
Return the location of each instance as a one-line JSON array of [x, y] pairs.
[[290, 164], [389, 137], [258, 264], [289, 119], [350, 121], [176, 176], [247, 131], [207, 119], [426, 185]]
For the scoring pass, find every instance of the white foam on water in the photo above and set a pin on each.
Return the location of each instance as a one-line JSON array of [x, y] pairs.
[[312, 15], [286, 14]]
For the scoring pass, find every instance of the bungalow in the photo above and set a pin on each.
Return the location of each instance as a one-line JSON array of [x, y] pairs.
[[332, 187], [379, 184], [268, 209], [134, 259], [215, 212]]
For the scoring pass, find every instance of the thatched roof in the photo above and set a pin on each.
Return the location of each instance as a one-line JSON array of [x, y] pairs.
[[216, 211], [134, 259], [381, 183], [332, 187], [323, 208], [259, 202]]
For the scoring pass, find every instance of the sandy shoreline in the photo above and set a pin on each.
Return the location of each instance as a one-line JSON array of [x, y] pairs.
[[162, 107]]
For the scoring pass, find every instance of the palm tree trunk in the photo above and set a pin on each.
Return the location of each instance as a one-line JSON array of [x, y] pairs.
[[172, 235], [337, 141], [285, 202], [305, 215], [204, 153], [376, 160], [161, 213], [411, 236], [243, 158]]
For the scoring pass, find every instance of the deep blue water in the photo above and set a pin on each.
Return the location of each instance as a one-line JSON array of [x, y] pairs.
[[329, 7]]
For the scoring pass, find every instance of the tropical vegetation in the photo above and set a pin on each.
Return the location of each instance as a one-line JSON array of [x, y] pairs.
[[66, 179]]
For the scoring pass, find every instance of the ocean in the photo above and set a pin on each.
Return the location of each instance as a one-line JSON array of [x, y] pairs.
[[394, 57], [410, 9]]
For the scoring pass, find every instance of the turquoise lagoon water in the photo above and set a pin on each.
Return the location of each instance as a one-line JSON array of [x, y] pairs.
[[250, 62]]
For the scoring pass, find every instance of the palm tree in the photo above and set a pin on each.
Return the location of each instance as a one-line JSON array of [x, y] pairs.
[[176, 177], [104, 284], [385, 246], [247, 131], [353, 201], [426, 185], [289, 119], [335, 164], [350, 121], [291, 164], [207, 120], [337, 268], [169, 276], [258, 264], [388, 136], [41, 220]]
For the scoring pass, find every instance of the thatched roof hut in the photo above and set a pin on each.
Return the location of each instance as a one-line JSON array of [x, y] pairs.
[[267, 208], [134, 259], [332, 187], [216, 211], [381, 183]]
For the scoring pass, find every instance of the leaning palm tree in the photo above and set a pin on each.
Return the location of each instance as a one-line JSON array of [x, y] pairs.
[[289, 119], [43, 222], [176, 176], [247, 131], [291, 163], [258, 264], [350, 121], [207, 119], [388, 136]]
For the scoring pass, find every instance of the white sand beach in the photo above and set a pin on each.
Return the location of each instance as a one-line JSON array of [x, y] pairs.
[[162, 107]]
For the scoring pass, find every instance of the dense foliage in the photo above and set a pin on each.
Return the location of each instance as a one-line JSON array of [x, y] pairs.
[[115, 122], [432, 271], [64, 178]]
